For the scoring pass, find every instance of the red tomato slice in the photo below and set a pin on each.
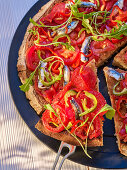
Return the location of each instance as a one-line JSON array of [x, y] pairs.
[[100, 102], [81, 132], [83, 78], [32, 59], [96, 131], [48, 119], [99, 47], [57, 14], [46, 94]]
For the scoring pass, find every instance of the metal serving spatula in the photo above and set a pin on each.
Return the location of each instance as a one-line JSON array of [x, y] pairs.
[[71, 151]]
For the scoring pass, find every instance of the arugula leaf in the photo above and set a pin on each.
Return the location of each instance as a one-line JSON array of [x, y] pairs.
[[48, 26], [113, 33], [50, 108], [86, 24], [82, 124], [85, 151], [67, 45], [61, 36], [110, 111], [109, 115], [25, 87]]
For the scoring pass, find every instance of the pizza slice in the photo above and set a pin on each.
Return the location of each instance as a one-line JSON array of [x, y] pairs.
[[120, 59], [117, 88], [75, 115], [70, 31]]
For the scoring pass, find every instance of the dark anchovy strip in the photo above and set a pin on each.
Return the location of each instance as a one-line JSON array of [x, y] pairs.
[[119, 3], [40, 85], [76, 108], [82, 4], [70, 27], [87, 4], [116, 75], [85, 48], [66, 75]]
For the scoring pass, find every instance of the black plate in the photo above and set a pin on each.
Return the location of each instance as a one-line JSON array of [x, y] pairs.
[[107, 156]]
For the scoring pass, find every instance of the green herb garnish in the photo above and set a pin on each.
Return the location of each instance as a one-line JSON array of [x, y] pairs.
[[124, 91]]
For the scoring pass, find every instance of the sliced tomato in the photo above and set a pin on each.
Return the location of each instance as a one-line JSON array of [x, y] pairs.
[[83, 78], [32, 59], [121, 107], [57, 14], [118, 14], [69, 57], [95, 131], [53, 123], [125, 5], [109, 4], [100, 102], [99, 47], [60, 95], [81, 132], [46, 94], [70, 113]]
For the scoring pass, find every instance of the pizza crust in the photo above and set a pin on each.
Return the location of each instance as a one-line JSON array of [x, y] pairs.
[[107, 55], [119, 59], [34, 99], [117, 120], [27, 42]]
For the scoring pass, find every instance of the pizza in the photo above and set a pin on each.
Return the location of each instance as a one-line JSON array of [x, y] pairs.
[[64, 44], [81, 103], [117, 87]]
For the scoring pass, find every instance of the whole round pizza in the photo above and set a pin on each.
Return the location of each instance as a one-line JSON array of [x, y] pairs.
[[65, 43]]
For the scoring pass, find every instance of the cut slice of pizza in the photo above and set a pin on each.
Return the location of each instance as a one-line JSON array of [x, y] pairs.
[[117, 88], [120, 59], [71, 32], [75, 115]]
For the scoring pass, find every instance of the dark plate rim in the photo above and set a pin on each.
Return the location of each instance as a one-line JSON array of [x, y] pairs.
[[40, 136]]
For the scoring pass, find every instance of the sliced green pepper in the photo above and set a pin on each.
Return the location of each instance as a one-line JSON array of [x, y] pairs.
[[54, 79], [69, 125], [124, 91], [61, 36], [84, 103], [126, 128], [68, 94]]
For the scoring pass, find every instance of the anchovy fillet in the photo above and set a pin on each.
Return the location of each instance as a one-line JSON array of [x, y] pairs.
[[116, 75], [86, 4], [119, 3], [85, 49], [70, 28], [66, 75], [82, 4], [42, 68], [76, 107]]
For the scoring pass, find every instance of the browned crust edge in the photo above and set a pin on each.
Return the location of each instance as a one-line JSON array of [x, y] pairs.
[[21, 64], [119, 60], [108, 54], [118, 124], [66, 137]]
